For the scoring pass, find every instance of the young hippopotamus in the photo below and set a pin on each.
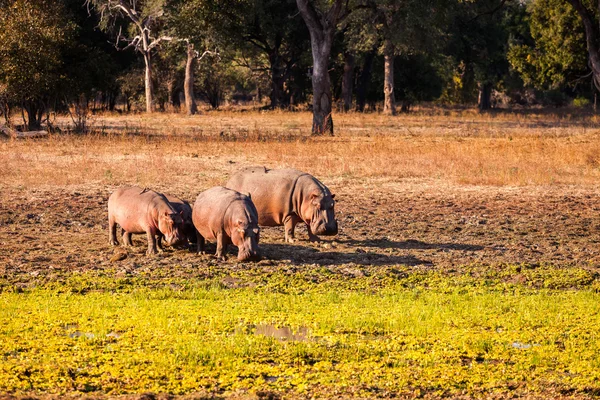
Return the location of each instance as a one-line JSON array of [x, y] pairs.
[[139, 210], [183, 207], [286, 197], [227, 216]]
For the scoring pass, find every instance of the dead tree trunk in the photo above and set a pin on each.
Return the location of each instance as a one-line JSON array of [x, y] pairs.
[[485, 96], [148, 84], [389, 103], [190, 99], [348, 81], [321, 26]]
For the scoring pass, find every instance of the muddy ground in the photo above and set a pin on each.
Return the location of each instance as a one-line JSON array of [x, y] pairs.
[[45, 232]]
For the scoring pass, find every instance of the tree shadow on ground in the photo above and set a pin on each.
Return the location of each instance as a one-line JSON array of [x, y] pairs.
[[307, 255], [411, 244]]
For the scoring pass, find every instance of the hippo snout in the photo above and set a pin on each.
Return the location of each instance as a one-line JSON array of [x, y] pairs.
[[331, 231], [253, 255], [325, 229], [174, 239]]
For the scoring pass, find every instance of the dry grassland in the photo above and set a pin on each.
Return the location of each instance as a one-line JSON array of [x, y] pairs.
[[167, 149]]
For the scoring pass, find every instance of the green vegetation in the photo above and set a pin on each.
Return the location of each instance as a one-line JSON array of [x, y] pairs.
[[358, 330]]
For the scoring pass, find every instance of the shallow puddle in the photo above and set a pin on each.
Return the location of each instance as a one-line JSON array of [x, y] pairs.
[[282, 332]]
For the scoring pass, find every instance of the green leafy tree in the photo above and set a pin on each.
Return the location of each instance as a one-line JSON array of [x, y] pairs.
[[34, 36], [269, 32], [479, 42], [556, 52]]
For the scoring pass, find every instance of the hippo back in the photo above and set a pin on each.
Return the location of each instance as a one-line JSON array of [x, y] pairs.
[[209, 210], [271, 191]]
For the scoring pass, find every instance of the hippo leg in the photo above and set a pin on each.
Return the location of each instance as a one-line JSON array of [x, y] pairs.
[[126, 238], [112, 231], [199, 243], [221, 247], [159, 237], [289, 224], [151, 243], [311, 236]]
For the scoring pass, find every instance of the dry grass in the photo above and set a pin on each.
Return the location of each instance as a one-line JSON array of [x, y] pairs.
[[458, 147]]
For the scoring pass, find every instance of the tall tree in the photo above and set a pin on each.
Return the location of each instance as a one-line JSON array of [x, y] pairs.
[[322, 24], [142, 33], [479, 42], [397, 27], [590, 17], [34, 38], [552, 53], [270, 32]]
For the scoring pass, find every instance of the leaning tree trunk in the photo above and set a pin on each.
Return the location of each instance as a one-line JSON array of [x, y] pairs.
[[190, 99], [363, 81], [347, 81], [485, 96], [389, 103], [148, 84]]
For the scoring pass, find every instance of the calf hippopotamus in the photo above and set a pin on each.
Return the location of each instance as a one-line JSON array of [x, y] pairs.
[[185, 210], [227, 216], [286, 197], [139, 210]]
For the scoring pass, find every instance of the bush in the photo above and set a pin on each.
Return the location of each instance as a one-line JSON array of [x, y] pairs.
[[581, 102]]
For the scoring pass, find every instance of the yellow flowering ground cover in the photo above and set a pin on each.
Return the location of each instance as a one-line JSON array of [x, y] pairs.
[[391, 331]]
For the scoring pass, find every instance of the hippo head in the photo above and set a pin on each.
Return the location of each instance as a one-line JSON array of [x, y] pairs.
[[171, 226], [245, 236], [319, 213]]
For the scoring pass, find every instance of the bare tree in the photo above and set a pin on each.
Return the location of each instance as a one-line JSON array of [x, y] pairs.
[[188, 86], [322, 27], [146, 21]]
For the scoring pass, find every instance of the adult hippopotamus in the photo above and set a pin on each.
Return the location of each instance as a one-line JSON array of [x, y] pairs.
[[139, 210], [286, 197], [226, 216], [185, 210]]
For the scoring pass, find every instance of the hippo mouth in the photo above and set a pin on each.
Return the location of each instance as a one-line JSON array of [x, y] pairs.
[[246, 255], [323, 230], [173, 240]]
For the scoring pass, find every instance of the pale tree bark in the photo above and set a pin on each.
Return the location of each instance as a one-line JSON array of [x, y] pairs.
[[148, 83], [348, 81], [190, 100], [389, 103], [143, 42], [321, 26]]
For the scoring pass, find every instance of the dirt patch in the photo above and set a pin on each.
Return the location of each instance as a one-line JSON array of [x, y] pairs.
[[423, 224]]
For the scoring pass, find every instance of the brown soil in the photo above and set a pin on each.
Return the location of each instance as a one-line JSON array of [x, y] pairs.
[[420, 223]]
